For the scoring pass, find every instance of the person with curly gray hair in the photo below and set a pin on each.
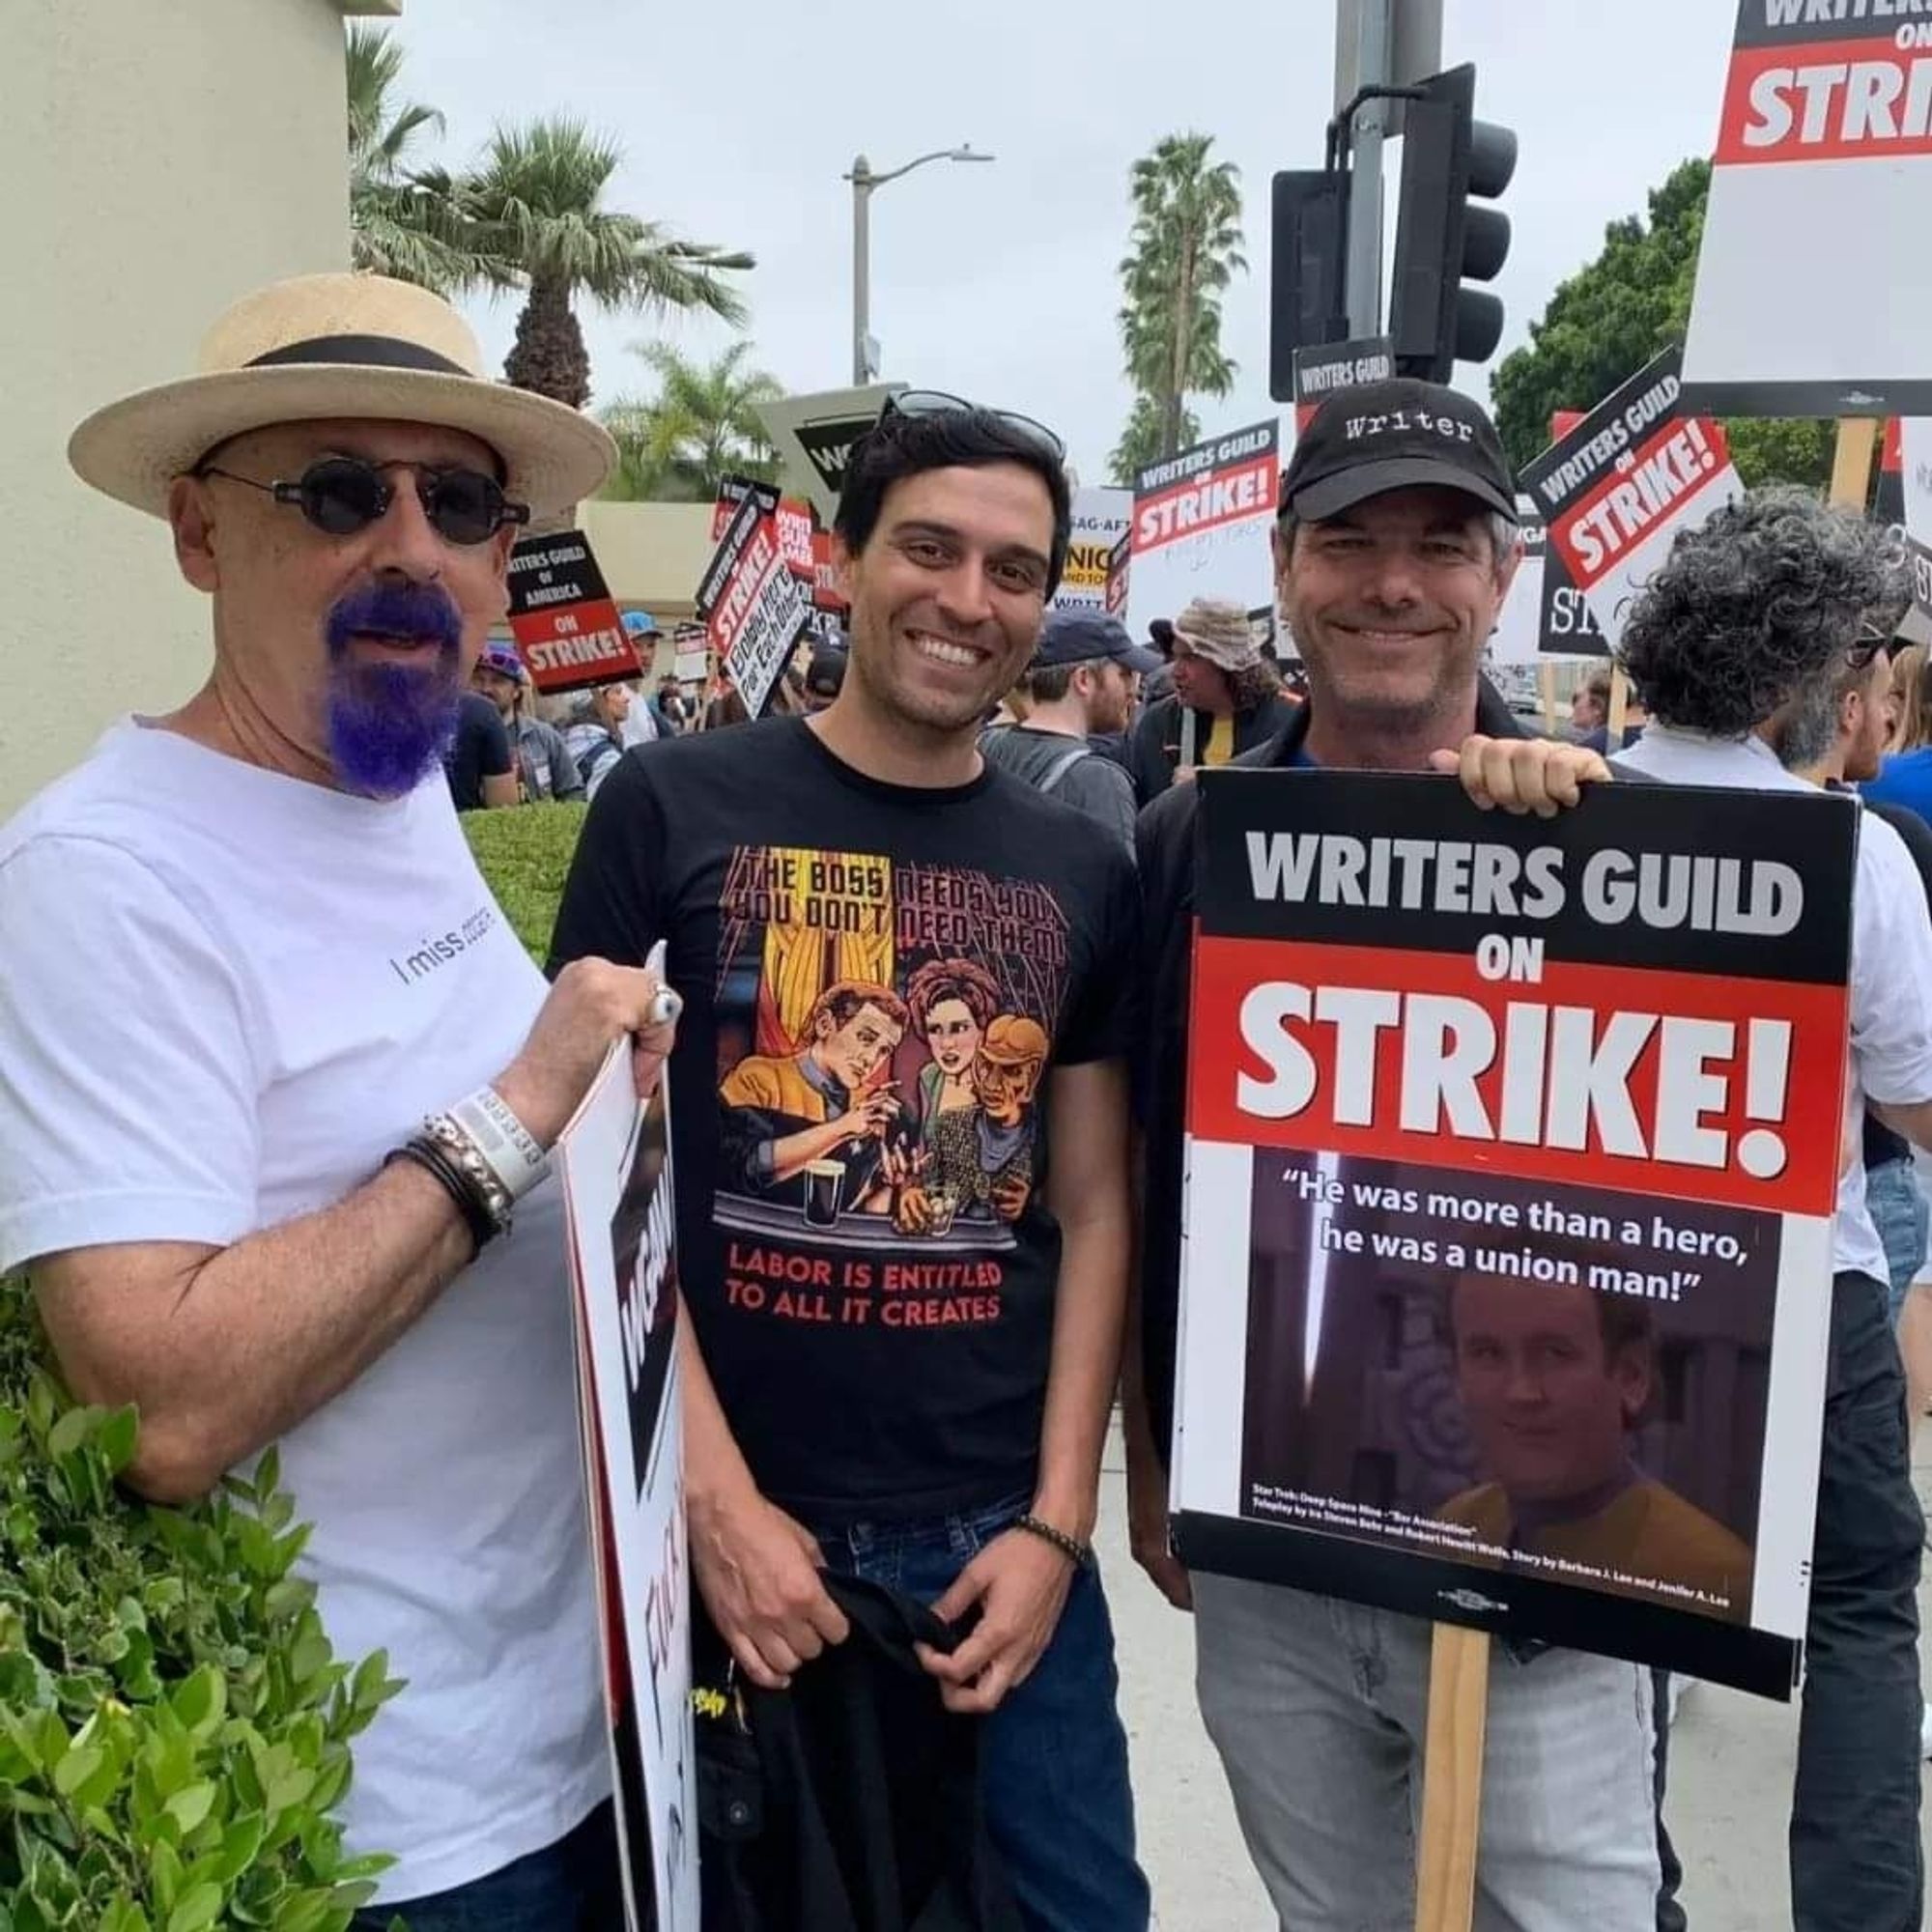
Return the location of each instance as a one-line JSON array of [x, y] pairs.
[[1741, 642]]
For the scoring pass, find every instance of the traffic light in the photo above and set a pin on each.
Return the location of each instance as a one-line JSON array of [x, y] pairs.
[[1449, 160], [1308, 301]]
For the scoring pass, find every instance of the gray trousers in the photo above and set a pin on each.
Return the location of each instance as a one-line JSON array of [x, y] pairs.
[[1319, 1711]]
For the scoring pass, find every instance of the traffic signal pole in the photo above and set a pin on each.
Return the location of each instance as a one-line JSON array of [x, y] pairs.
[[1373, 24]]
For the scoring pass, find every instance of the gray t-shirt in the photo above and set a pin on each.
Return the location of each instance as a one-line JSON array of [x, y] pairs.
[[1067, 769], [549, 770]]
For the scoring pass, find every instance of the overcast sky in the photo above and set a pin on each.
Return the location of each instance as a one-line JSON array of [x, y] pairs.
[[999, 282]]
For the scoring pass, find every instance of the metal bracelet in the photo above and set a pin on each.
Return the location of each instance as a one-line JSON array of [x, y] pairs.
[[473, 1165]]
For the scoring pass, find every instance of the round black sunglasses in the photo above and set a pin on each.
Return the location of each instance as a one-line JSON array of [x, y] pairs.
[[341, 494]]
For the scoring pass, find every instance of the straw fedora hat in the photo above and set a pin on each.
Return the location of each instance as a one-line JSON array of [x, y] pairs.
[[339, 344]]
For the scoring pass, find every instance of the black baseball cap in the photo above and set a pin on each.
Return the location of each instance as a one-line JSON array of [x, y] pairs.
[[825, 675], [1083, 636], [1404, 434]]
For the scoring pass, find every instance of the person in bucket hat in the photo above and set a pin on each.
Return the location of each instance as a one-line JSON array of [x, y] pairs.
[[278, 1071], [1226, 699]]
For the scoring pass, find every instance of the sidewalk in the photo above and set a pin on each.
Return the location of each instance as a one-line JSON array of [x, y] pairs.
[[1730, 1772]]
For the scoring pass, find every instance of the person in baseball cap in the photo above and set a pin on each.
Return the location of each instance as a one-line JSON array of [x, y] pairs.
[[545, 767], [1070, 638], [1394, 547], [1081, 685], [824, 676], [1226, 698]]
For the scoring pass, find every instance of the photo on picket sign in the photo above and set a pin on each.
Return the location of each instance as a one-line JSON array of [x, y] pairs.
[[1513, 1152], [1615, 489], [1813, 281], [1510, 1377], [616, 1161]]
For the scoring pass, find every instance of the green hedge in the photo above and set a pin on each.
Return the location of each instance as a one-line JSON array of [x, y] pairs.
[[174, 1727], [523, 852]]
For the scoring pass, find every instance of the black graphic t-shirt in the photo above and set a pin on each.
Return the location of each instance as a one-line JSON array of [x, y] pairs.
[[878, 983]]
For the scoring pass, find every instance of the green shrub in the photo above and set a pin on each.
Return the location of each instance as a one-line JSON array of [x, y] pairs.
[[174, 1727], [524, 854]]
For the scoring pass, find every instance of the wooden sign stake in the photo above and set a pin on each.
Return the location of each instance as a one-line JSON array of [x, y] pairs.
[[1852, 460], [1545, 692], [1613, 724], [1452, 1779]]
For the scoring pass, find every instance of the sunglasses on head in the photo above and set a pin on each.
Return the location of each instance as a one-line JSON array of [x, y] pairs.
[[937, 403], [341, 494], [1864, 650]]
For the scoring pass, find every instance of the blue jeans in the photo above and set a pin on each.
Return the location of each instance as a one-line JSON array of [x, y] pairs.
[[1854, 1850], [569, 1887], [1054, 1757], [1898, 1211]]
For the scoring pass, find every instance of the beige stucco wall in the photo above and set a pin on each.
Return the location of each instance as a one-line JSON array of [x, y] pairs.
[[652, 555], [165, 158]]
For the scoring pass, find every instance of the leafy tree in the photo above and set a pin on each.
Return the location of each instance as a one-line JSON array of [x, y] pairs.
[[403, 219], [1614, 316], [1141, 440], [1185, 249], [535, 204], [702, 425]]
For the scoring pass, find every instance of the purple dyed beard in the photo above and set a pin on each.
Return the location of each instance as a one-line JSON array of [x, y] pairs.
[[390, 724]]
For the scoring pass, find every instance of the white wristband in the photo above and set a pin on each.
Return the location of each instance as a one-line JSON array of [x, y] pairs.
[[504, 1140]]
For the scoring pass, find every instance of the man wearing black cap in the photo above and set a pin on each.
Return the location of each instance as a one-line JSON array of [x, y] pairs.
[[1083, 681], [1394, 552], [824, 676]]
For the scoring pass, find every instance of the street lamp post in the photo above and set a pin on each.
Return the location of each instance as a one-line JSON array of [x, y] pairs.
[[863, 180]]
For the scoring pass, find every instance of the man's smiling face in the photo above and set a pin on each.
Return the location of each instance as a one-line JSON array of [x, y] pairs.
[[948, 593], [1392, 601]]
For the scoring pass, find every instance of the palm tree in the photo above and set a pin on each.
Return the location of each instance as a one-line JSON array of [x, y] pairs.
[[534, 205], [403, 220], [1186, 247], [700, 427], [1141, 442]]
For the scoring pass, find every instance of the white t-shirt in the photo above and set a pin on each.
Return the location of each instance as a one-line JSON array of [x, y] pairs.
[[1892, 955], [226, 995]]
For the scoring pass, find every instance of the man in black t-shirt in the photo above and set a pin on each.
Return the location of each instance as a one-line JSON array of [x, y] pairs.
[[903, 1212], [481, 771]]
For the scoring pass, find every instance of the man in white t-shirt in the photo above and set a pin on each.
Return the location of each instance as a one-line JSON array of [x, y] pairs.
[[274, 1070], [1754, 615]]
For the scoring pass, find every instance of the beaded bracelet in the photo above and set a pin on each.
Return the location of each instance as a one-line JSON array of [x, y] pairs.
[[1079, 1554], [424, 1153]]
